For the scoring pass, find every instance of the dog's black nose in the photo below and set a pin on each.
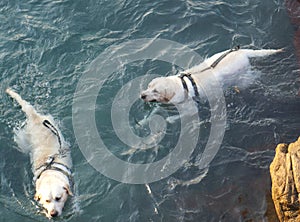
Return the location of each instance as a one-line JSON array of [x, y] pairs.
[[53, 213], [143, 96]]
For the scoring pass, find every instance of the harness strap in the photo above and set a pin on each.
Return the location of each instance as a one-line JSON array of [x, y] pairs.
[[218, 60], [61, 151], [51, 165], [184, 85], [193, 84], [190, 78], [213, 65], [47, 124]]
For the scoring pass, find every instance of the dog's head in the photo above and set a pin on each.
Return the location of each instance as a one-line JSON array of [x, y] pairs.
[[52, 191], [160, 89]]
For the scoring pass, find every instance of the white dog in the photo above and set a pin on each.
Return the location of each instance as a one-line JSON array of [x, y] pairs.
[[50, 158], [178, 88]]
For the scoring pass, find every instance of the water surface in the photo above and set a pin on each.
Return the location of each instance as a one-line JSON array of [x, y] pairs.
[[47, 45]]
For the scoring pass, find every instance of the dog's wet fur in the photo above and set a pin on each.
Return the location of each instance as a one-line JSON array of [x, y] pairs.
[[52, 186], [230, 65]]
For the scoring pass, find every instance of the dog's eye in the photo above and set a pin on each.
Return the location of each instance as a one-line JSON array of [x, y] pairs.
[[155, 91], [47, 201], [57, 198]]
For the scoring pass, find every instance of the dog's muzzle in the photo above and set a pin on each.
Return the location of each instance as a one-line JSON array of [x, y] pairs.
[[53, 213]]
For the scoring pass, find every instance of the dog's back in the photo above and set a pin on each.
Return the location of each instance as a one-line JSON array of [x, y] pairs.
[[36, 136]]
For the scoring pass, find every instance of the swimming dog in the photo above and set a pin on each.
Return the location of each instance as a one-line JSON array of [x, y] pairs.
[[50, 158], [178, 88]]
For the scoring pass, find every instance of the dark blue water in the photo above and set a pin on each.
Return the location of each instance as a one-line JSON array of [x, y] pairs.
[[45, 48]]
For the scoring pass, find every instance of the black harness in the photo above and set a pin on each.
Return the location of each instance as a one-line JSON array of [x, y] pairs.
[[185, 87], [50, 163], [47, 124], [190, 78]]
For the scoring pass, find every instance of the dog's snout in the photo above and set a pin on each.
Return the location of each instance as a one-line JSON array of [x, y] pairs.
[[143, 96], [54, 213]]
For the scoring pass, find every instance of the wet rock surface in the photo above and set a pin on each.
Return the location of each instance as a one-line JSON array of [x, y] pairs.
[[285, 175]]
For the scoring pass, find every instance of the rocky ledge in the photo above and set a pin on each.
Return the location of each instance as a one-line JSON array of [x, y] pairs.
[[285, 175]]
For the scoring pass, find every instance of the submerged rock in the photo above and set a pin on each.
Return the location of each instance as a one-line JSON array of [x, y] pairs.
[[285, 175]]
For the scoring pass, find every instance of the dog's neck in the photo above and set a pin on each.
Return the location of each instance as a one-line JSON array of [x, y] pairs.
[[54, 173], [189, 86], [53, 163]]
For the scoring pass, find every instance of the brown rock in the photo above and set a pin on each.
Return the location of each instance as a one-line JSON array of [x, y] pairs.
[[285, 175]]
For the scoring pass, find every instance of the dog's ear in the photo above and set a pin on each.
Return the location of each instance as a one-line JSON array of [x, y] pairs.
[[68, 190], [168, 96], [37, 197]]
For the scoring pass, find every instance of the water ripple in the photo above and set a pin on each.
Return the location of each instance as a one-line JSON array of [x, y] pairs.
[[45, 46]]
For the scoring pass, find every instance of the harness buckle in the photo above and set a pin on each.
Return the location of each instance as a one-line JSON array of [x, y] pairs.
[[50, 160]]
